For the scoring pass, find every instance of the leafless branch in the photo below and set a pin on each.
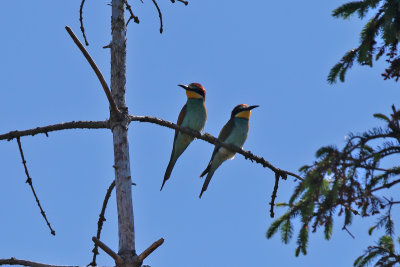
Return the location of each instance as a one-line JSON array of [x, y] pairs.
[[29, 181], [150, 249], [129, 8], [81, 21], [159, 15], [388, 185], [103, 82], [118, 260], [105, 125], [102, 219], [182, 1], [212, 140], [56, 127], [391, 202], [348, 231], [273, 196], [14, 261]]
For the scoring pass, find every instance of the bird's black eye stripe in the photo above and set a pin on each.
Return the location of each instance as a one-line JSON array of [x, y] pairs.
[[199, 91], [238, 110]]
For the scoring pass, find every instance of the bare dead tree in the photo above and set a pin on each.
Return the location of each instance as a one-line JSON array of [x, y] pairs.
[[118, 123]]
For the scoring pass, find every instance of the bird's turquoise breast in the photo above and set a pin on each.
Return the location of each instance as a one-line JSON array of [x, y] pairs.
[[239, 133], [196, 114]]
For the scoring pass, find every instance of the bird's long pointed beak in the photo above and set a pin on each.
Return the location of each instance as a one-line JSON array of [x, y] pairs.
[[251, 107], [184, 86]]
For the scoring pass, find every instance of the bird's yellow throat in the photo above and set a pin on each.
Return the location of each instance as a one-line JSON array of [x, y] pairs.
[[191, 94], [244, 114]]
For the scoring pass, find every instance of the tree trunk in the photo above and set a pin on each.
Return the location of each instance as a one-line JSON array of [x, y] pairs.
[[120, 123]]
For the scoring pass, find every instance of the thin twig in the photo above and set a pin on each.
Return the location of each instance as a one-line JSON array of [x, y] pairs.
[[212, 140], [81, 21], [129, 8], [95, 68], [273, 196], [56, 127], [159, 15], [182, 1], [150, 249], [29, 181], [118, 260], [347, 230], [102, 219], [14, 261], [388, 185]]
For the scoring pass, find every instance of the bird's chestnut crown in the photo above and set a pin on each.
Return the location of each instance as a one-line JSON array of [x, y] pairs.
[[194, 90]]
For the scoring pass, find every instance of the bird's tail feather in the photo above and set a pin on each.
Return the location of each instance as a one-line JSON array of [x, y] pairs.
[[168, 171], [207, 169], [206, 182]]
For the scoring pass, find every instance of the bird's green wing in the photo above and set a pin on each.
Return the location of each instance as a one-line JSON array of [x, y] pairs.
[[223, 135], [180, 120], [226, 130], [173, 158]]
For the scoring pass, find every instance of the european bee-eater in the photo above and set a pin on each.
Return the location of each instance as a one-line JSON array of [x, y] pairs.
[[234, 132], [193, 115]]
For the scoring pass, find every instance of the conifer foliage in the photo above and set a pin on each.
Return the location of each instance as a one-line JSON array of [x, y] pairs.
[[351, 182], [345, 182], [379, 37], [384, 250]]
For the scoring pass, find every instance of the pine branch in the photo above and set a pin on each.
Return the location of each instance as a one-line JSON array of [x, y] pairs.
[[56, 127], [384, 249], [345, 179], [347, 9], [340, 69], [212, 140], [388, 185], [383, 26], [390, 253], [29, 181]]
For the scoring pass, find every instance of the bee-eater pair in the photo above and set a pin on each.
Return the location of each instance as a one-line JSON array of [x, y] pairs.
[[194, 115]]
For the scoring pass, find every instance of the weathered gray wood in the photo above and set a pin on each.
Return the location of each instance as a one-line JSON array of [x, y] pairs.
[[109, 251], [119, 127]]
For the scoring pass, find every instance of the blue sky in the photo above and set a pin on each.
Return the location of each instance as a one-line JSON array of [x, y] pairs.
[[276, 54]]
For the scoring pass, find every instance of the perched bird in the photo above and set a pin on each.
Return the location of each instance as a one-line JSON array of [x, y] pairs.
[[193, 115], [234, 132]]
